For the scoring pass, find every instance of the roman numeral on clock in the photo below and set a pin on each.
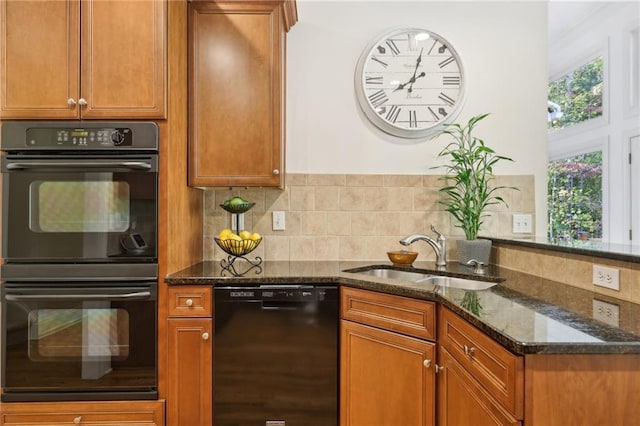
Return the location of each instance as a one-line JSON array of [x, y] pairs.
[[446, 99], [378, 98], [413, 120], [392, 45], [393, 113], [451, 80], [433, 114], [373, 80], [374, 58], [446, 62]]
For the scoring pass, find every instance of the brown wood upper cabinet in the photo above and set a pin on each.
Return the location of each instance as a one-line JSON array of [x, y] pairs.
[[236, 92], [93, 59]]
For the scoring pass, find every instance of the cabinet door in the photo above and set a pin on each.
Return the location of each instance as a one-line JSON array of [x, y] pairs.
[[123, 59], [108, 413], [236, 94], [386, 378], [462, 401], [39, 59], [190, 372]]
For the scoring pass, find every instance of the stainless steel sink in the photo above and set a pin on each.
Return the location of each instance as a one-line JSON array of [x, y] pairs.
[[423, 278], [461, 283], [394, 274]]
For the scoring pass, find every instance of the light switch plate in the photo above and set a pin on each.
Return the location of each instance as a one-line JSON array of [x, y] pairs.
[[278, 221]]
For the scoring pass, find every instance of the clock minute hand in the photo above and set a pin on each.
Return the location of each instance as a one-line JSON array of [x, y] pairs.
[[413, 77]]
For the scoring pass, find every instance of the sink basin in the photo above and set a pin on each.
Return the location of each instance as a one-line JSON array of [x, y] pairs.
[[394, 274], [424, 278], [461, 283]]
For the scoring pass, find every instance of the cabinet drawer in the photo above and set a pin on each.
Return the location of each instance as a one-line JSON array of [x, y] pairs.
[[394, 313], [189, 301], [499, 371], [108, 413]]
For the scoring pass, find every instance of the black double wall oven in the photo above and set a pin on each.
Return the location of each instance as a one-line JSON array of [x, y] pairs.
[[79, 248]]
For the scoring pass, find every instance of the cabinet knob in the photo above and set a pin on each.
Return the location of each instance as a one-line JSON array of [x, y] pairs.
[[469, 350], [205, 336], [276, 172], [82, 102], [71, 102], [438, 368], [77, 420], [189, 302], [426, 363]]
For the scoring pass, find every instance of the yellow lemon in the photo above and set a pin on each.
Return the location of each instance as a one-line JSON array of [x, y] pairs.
[[245, 235], [233, 236], [225, 233], [255, 236]]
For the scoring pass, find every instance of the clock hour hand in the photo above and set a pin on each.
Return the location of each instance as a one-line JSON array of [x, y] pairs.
[[413, 77]]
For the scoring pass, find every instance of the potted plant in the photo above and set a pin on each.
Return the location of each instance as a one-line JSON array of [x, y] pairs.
[[468, 186]]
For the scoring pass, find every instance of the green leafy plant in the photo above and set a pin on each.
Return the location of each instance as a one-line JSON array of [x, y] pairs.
[[468, 177]]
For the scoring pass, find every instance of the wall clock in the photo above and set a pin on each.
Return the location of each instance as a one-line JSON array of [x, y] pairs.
[[410, 83]]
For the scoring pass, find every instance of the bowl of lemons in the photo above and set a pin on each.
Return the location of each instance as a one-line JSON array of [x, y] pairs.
[[240, 244]]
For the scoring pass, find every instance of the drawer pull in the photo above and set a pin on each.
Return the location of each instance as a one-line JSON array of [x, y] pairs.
[[205, 336], [426, 363], [189, 302], [469, 350], [77, 420]]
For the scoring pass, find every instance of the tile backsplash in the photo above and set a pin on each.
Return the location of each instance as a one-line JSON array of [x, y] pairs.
[[355, 217]]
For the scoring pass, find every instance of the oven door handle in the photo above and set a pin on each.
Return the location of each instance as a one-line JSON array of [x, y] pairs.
[[133, 165], [128, 296]]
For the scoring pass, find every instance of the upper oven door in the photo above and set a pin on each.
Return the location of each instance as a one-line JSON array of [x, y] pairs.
[[66, 208]]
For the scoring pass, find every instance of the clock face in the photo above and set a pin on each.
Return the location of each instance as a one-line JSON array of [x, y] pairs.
[[410, 83]]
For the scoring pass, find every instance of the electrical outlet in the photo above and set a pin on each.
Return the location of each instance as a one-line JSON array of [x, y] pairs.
[[604, 276], [237, 222], [606, 312], [278, 221], [522, 223]]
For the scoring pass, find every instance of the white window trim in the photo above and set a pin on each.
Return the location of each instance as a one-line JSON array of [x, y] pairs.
[[631, 65]]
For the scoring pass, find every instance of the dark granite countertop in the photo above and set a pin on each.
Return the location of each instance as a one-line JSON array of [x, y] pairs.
[[524, 313]]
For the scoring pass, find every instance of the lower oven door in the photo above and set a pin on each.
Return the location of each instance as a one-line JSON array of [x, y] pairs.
[[79, 341]]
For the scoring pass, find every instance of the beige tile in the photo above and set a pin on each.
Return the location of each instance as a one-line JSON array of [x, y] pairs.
[[301, 248], [338, 223], [351, 198], [296, 179], [314, 223], [398, 225], [365, 180], [432, 181], [402, 180], [326, 248], [276, 248], [327, 198], [374, 199], [277, 200], [427, 199], [326, 180], [363, 223], [302, 198], [399, 199]]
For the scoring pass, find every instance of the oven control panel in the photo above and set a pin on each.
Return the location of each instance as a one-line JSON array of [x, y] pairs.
[[79, 138]]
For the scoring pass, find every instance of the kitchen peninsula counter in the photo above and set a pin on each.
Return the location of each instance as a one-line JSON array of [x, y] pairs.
[[524, 313]]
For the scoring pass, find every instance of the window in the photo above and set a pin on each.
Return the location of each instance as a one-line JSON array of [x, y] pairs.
[[574, 197], [577, 96]]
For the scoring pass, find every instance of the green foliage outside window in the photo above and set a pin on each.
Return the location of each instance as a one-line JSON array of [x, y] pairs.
[[579, 95], [574, 197]]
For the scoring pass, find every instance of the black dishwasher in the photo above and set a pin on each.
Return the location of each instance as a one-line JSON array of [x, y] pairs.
[[276, 355]]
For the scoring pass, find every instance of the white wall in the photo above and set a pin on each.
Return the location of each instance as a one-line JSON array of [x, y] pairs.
[[503, 45]]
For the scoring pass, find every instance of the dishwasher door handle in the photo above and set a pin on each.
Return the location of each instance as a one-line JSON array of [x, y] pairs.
[[284, 306]]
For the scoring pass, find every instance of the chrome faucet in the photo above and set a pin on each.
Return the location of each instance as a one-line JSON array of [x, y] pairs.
[[439, 245]]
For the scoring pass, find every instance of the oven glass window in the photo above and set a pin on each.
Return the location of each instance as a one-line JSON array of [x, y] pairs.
[[87, 334], [79, 206]]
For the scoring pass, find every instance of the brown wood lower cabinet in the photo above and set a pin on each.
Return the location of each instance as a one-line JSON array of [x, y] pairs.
[[387, 378], [107, 413], [190, 357], [462, 401]]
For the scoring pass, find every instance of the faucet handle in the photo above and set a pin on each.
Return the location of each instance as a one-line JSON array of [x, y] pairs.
[[478, 267], [438, 233]]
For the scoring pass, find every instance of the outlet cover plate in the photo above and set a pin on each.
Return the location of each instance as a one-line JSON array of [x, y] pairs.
[[606, 312], [522, 223], [278, 221], [604, 276]]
